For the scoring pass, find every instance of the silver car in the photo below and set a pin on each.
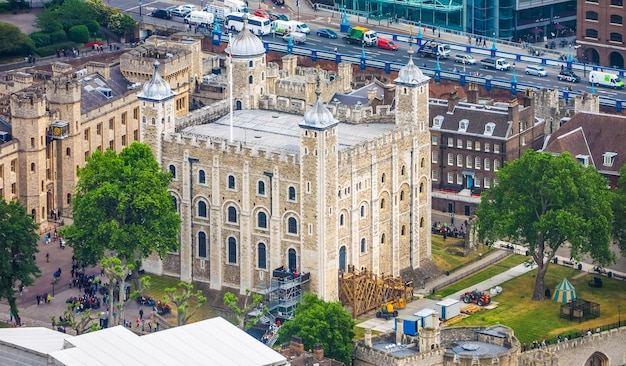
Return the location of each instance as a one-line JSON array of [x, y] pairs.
[[536, 70], [465, 59]]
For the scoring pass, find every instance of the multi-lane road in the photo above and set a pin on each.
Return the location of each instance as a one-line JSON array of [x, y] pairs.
[[401, 55]]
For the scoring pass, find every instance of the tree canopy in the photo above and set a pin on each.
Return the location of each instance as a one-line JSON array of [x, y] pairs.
[[122, 204], [619, 210], [240, 313], [18, 244], [318, 321], [544, 201], [13, 41], [187, 302]]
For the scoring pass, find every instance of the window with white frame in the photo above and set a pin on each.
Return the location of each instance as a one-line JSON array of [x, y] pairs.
[[450, 159], [468, 161], [496, 165], [435, 156], [459, 178], [487, 183], [477, 181], [459, 143], [435, 175], [435, 140], [487, 147], [469, 144], [609, 158], [450, 177], [487, 164], [463, 125], [459, 160], [496, 148], [477, 146], [477, 162], [450, 141]]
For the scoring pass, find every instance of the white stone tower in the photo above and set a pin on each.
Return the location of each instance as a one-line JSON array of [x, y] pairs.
[[247, 60], [318, 174], [412, 111]]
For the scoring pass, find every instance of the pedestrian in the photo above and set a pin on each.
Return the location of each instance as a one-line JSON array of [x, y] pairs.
[[49, 298], [47, 257], [141, 314], [11, 316], [336, 49], [137, 321]]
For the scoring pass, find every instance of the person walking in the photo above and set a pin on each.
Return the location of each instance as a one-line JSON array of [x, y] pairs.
[[47, 257], [141, 314]]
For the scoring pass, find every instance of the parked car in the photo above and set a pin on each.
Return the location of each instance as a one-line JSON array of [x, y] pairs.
[[177, 12], [387, 44], [326, 33], [536, 70], [188, 8], [161, 13], [261, 13], [278, 16], [568, 75], [465, 59]]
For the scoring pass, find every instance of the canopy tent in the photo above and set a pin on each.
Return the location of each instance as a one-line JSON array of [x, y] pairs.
[[564, 292]]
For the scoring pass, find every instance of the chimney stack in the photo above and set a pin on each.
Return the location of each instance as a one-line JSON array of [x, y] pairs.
[[472, 93], [318, 352], [371, 94], [296, 346], [453, 100]]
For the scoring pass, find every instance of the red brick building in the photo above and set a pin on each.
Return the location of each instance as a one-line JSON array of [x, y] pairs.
[[600, 32]]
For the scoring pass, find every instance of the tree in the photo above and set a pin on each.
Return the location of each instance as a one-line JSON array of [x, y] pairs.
[[545, 201], [120, 23], [13, 41], [240, 313], [619, 210], [318, 321], [116, 273], [187, 302], [122, 204], [78, 34], [82, 322], [18, 246]]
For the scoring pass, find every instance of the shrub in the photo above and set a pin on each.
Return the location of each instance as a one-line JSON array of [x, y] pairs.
[[78, 34], [52, 49], [40, 39], [93, 27], [58, 36]]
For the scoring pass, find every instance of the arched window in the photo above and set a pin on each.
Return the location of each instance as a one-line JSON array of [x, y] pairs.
[[403, 230], [175, 203], [487, 164], [173, 171], [468, 161], [422, 163], [401, 195], [202, 245], [202, 209], [231, 182], [435, 156], [477, 162], [591, 15], [342, 258], [261, 188], [292, 194], [421, 187], [292, 225], [362, 210], [403, 170], [496, 165], [33, 212], [421, 222], [292, 259], [363, 246], [153, 121], [382, 203], [201, 176], [615, 37], [341, 220], [250, 63], [459, 160], [69, 198], [382, 238], [450, 159], [616, 19], [32, 167], [382, 178], [261, 220], [261, 256], [232, 250], [68, 152], [250, 79], [591, 33], [232, 214]]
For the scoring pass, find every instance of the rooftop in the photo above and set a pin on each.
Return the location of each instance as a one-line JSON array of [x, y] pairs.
[[97, 91]]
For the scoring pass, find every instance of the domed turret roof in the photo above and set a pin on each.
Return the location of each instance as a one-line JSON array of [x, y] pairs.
[[244, 43], [156, 88], [318, 117], [411, 74]]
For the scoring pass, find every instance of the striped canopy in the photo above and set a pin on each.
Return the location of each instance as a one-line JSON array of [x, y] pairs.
[[564, 292]]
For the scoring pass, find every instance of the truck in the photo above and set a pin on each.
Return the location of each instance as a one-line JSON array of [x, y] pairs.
[[606, 79], [496, 64], [236, 6], [281, 27], [218, 11], [361, 35], [434, 49], [201, 18]]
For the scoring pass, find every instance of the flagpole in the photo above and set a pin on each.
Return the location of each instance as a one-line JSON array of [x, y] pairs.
[[230, 83]]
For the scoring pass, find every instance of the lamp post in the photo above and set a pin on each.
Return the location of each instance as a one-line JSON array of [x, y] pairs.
[[139, 7], [53, 283]]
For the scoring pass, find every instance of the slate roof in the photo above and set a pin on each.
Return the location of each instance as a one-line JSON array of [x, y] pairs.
[[592, 134], [477, 115], [92, 97]]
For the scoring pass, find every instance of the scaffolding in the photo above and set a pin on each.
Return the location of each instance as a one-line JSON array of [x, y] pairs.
[[283, 292], [363, 291]]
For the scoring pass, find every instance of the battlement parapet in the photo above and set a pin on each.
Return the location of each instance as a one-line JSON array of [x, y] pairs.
[[28, 104], [203, 115]]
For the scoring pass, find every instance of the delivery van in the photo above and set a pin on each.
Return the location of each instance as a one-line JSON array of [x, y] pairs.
[[201, 18], [606, 79]]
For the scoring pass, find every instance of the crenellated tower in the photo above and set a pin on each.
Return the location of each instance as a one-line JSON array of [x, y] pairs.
[[319, 177]]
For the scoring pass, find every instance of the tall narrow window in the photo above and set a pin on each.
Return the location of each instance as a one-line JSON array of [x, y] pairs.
[[261, 188], [292, 225], [232, 214], [232, 250], [292, 194], [202, 252], [262, 220], [201, 176], [261, 256], [202, 209], [363, 245], [231, 182], [173, 171]]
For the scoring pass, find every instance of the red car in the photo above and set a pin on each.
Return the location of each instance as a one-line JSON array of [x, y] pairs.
[[387, 44], [261, 13]]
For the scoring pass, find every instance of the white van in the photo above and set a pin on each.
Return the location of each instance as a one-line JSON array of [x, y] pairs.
[[606, 79], [301, 27], [296, 37], [201, 18], [287, 26], [236, 6]]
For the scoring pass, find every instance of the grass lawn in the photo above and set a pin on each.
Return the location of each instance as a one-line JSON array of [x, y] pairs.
[[158, 284], [540, 320], [495, 269], [448, 254]]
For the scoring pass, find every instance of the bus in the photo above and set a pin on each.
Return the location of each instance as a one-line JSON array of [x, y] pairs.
[[256, 25]]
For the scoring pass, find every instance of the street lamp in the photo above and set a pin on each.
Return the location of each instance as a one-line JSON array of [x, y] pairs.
[[139, 7]]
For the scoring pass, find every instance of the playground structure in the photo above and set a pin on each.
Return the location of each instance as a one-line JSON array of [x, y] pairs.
[[363, 291]]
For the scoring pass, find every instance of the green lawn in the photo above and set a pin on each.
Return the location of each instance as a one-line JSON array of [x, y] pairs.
[[495, 269], [540, 320], [448, 254], [158, 284]]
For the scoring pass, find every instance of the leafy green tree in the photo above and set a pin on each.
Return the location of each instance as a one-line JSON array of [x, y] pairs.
[[75, 12], [619, 210], [240, 313], [48, 20], [78, 34], [545, 201], [83, 322], [318, 321], [116, 272], [187, 302], [13, 41], [93, 27], [18, 246], [120, 23], [122, 204], [40, 39]]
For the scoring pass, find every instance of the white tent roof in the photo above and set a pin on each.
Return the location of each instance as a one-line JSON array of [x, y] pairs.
[[35, 339]]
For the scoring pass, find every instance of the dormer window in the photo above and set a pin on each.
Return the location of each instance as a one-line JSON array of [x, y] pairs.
[[609, 158], [437, 122], [489, 127], [583, 159], [463, 125]]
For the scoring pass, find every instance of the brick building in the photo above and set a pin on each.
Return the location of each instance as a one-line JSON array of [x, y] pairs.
[[600, 32]]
